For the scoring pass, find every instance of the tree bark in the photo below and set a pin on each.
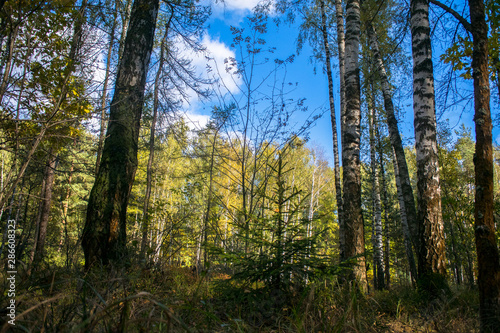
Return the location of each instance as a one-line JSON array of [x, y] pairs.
[[338, 188], [484, 228], [431, 255], [341, 49], [354, 229], [104, 234]]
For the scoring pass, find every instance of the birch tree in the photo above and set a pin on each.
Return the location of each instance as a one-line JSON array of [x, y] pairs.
[[431, 252], [354, 229]]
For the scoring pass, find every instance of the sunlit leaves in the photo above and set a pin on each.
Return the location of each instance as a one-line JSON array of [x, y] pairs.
[[459, 55]]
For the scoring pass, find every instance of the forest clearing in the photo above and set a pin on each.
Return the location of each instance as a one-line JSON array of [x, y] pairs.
[[249, 166]]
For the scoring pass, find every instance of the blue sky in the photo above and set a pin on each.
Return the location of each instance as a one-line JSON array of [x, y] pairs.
[[311, 86]]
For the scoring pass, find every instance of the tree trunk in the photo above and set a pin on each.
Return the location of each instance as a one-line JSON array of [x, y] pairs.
[[354, 229], [8, 63], [65, 204], [338, 188], [387, 247], [484, 228], [404, 221], [104, 234], [209, 199], [431, 254], [341, 49], [396, 142], [44, 213], [125, 23], [378, 255]]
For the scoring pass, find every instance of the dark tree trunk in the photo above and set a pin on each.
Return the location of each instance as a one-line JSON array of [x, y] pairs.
[[484, 229], [431, 254], [44, 213], [354, 228], [104, 234]]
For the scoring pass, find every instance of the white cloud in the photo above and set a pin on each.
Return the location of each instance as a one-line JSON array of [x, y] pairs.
[[195, 121], [233, 12], [210, 65], [213, 64], [237, 4]]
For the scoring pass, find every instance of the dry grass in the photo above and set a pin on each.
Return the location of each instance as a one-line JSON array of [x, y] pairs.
[[172, 299]]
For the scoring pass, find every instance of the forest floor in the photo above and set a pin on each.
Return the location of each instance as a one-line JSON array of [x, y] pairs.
[[174, 299]]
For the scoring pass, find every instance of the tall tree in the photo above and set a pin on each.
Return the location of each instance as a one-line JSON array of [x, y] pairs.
[[378, 255], [431, 254], [486, 242], [385, 200], [339, 13], [354, 229], [405, 192], [326, 45], [104, 234]]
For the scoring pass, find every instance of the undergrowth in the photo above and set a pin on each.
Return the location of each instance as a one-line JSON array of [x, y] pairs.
[[174, 299]]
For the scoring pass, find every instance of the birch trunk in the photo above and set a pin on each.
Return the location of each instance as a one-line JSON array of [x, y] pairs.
[[431, 253], [104, 234], [354, 229], [484, 228], [387, 247]]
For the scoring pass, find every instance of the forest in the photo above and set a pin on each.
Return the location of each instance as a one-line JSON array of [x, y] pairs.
[[169, 166]]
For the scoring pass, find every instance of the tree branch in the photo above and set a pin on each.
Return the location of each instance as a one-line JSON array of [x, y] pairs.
[[449, 10]]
